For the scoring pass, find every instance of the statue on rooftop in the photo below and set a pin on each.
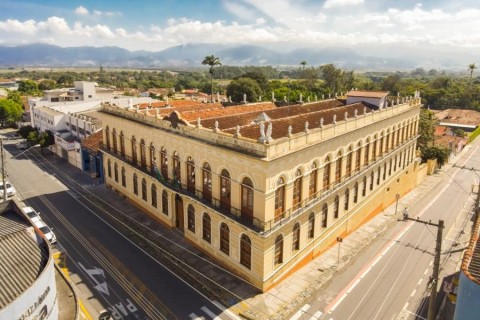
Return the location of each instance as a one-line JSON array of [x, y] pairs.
[[306, 126], [269, 132], [289, 130], [321, 122], [262, 131]]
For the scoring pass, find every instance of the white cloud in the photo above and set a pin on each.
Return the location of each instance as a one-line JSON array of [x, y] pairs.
[[82, 11], [341, 3]]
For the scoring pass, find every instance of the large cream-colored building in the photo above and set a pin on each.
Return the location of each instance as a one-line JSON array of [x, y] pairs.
[[260, 188]]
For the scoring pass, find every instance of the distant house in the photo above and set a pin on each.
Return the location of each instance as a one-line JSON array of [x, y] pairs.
[[467, 120], [445, 136]]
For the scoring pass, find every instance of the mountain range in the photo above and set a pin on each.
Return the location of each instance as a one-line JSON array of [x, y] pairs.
[[191, 55]]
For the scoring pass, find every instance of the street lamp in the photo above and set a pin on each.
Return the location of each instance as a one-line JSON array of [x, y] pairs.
[[339, 240]]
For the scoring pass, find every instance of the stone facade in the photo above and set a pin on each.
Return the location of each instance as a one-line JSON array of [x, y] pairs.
[[263, 205]]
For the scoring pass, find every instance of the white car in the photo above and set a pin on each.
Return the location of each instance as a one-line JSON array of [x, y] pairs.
[[10, 189], [46, 231], [32, 214]]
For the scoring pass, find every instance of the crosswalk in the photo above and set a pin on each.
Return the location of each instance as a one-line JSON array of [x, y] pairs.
[[206, 314], [306, 314]]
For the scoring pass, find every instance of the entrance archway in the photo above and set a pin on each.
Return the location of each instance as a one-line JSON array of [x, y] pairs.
[[179, 215]]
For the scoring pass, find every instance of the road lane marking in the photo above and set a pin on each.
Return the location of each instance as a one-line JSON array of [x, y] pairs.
[[300, 312], [426, 271], [353, 286], [210, 313], [413, 292], [405, 306], [226, 311], [193, 316], [337, 303], [376, 260], [419, 281], [316, 315]]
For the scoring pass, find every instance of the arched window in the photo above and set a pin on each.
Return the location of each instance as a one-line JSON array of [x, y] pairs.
[[144, 189], [191, 218], [164, 163], [355, 193], [153, 190], [297, 190], [358, 157], [206, 227], [114, 140], [165, 202], [224, 238], [312, 186], [326, 174], [384, 171], [296, 237], [134, 151], [109, 168], [364, 187], [152, 158], [190, 175], [379, 172], [348, 169], [135, 184], [225, 190], [311, 226], [338, 168], [124, 178], [279, 199], [245, 251], [107, 137], [347, 199], [324, 215], [247, 200], [374, 148], [382, 147], [207, 182], [336, 207], [390, 167], [389, 139], [278, 250], [115, 172], [143, 154], [366, 155], [372, 176], [176, 168], [122, 144]]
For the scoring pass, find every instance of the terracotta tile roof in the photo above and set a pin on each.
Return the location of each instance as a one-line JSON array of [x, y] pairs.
[[92, 142], [297, 121], [367, 94], [459, 116]]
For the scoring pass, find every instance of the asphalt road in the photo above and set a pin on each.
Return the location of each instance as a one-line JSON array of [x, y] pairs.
[[121, 276], [391, 279]]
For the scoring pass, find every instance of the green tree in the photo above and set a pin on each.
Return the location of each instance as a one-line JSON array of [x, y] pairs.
[[471, 68], [211, 61], [436, 152], [15, 96], [303, 64], [426, 129], [10, 112], [46, 84], [237, 88], [331, 76], [29, 87]]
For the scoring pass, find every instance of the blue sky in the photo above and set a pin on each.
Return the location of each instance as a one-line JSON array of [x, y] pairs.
[[156, 25]]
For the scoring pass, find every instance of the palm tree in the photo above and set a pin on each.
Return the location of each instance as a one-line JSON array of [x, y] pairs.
[[471, 68], [303, 63], [212, 61]]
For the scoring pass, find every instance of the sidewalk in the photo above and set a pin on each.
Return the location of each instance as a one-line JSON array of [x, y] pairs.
[[292, 293]]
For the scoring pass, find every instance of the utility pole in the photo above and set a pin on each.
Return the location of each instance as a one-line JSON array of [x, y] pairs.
[[3, 172], [436, 262]]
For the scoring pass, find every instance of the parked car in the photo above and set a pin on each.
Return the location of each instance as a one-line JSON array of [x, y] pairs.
[[10, 189], [32, 214], [46, 231]]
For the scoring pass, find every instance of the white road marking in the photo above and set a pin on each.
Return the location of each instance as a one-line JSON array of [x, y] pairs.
[[316, 315], [300, 312], [426, 271], [226, 311], [405, 306], [193, 316], [413, 292], [419, 281], [337, 303], [210, 313], [376, 260], [354, 285]]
